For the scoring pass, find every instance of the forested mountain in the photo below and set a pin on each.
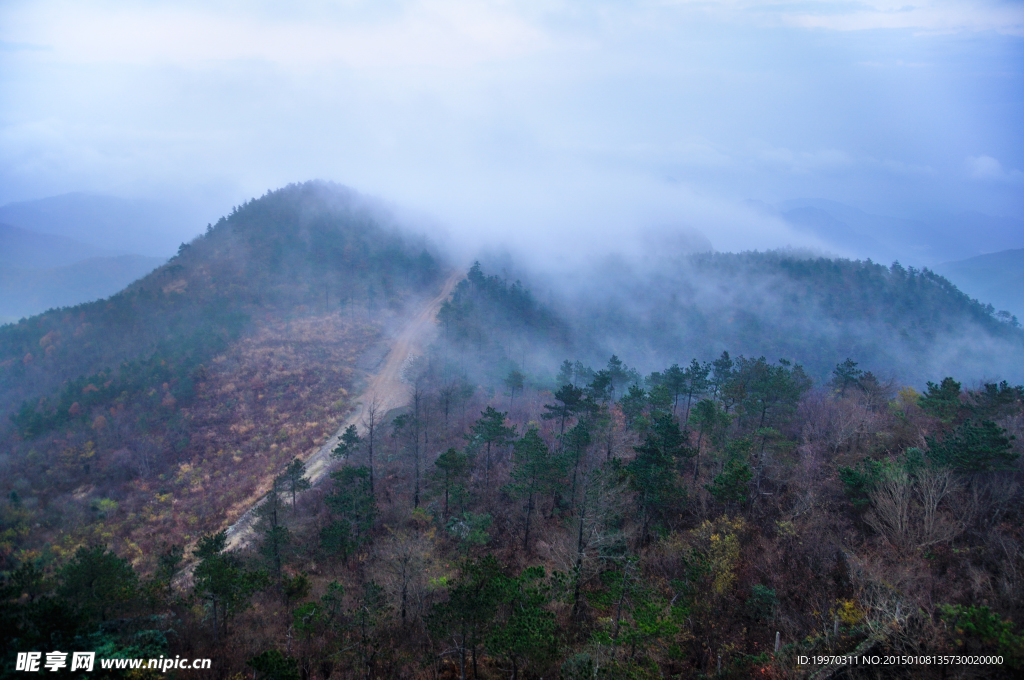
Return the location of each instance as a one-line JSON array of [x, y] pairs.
[[784, 456], [236, 354], [907, 323]]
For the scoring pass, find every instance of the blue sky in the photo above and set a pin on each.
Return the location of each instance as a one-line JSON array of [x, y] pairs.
[[555, 126]]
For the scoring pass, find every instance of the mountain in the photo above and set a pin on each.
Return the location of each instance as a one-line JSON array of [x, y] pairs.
[[923, 241], [41, 271], [995, 278], [33, 250], [24, 291], [229, 360], [725, 483], [910, 324], [120, 225]]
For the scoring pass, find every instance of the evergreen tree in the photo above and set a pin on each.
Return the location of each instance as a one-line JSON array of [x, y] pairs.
[[490, 430], [467, 616], [350, 440], [525, 632], [451, 474], [294, 479], [846, 375], [99, 582], [534, 471], [943, 400], [974, 448]]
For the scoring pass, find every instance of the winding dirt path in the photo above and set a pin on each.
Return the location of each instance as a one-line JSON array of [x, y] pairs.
[[385, 386]]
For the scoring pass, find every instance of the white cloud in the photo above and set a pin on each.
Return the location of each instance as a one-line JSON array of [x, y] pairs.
[[939, 16], [987, 168]]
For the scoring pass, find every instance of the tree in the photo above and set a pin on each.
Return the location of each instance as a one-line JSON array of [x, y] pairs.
[[710, 421], [533, 472], [846, 375], [452, 473], [696, 378], [276, 536], [618, 374], [294, 479], [575, 443], [353, 502], [570, 400], [632, 405], [515, 380], [371, 421], [974, 448], [943, 400], [721, 374], [98, 581], [525, 632], [273, 665], [467, 616], [369, 617], [652, 476], [490, 430], [674, 379], [348, 443], [221, 580], [733, 484], [168, 564]]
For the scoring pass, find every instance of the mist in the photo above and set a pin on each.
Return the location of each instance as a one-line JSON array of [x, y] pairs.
[[557, 130]]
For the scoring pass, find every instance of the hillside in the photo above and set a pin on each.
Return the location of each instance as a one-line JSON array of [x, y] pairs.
[[746, 480], [905, 323], [203, 376], [911, 324]]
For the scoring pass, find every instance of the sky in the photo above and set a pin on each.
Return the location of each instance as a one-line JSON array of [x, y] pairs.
[[558, 127]]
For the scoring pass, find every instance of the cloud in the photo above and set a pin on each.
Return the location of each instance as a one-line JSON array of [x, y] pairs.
[[935, 16], [986, 168]]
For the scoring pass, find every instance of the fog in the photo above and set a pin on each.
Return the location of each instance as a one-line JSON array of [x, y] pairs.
[[559, 130]]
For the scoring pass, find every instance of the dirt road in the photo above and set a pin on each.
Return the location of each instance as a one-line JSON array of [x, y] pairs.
[[385, 386]]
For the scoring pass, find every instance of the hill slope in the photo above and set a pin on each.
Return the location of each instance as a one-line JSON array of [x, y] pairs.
[[206, 375]]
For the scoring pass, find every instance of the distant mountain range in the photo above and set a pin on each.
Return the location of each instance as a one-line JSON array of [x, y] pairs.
[[69, 249], [917, 242], [996, 278], [119, 225]]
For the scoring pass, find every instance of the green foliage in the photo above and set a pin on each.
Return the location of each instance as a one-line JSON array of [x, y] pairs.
[[296, 587], [273, 665], [570, 403], [762, 602], [99, 582], [352, 501], [222, 581], [733, 484], [943, 400], [974, 448], [654, 478], [470, 528], [293, 479], [846, 375], [350, 440], [710, 421], [525, 632], [859, 482], [997, 401], [976, 627], [451, 474], [534, 471]]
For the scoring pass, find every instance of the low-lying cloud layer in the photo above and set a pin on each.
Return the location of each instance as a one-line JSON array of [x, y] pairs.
[[551, 126]]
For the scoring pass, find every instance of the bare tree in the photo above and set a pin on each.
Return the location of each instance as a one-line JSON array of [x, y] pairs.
[[372, 416]]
